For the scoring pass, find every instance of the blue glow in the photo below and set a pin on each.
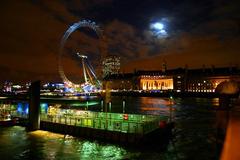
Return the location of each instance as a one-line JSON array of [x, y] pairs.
[[26, 110], [19, 107], [23, 108], [87, 88], [67, 89], [44, 107]]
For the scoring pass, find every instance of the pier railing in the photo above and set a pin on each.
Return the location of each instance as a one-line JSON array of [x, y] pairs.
[[127, 123]]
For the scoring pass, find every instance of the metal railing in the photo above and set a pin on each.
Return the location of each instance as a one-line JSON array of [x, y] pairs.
[[127, 123]]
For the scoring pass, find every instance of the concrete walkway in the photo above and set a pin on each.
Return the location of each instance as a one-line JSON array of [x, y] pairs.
[[231, 148]]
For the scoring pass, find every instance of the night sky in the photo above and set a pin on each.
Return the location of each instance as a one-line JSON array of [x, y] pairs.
[[196, 33]]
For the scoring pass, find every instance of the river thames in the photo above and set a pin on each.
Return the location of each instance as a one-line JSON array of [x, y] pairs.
[[194, 133]]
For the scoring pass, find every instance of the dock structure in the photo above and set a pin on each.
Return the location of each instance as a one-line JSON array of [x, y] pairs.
[[126, 123], [117, 127], [34, 110]]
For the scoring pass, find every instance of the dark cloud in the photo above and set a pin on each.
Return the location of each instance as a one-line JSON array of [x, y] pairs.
[[122, 39], [199, 32], [29, 39]]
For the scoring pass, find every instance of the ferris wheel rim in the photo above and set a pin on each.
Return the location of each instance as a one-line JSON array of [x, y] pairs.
[[83, 23]]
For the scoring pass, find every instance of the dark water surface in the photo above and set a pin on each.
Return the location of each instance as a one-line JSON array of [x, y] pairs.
[[195, 135]]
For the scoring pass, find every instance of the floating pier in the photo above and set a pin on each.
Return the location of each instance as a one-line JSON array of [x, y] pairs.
[[116, 127]]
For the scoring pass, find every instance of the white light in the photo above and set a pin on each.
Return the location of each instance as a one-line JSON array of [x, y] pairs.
[[163, 31], [157, 25], [158, 30]]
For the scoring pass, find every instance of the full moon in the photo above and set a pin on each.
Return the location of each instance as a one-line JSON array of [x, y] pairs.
[[158, 30], [157, 26]]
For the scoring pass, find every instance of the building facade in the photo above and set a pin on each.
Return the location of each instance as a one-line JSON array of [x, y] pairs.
[[177, 80], [111, 65], [156, 82]]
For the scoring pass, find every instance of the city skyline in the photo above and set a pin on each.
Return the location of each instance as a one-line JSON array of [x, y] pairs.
[[192, 33]]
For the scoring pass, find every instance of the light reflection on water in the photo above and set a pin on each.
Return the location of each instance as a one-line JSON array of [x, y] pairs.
[[47, 145], [195, 138]]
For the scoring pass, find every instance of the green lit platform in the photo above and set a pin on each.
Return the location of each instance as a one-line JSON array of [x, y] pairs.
[[125, 123], [113, 127]]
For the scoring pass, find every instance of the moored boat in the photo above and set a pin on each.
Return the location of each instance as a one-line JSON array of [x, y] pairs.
[[6, 120]]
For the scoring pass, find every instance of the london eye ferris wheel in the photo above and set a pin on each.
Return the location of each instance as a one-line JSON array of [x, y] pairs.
[[91, 82]]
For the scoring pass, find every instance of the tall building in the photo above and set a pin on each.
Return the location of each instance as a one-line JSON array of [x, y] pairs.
[[111, 65]]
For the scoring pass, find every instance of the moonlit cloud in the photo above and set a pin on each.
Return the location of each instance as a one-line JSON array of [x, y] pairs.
[[158, 30]]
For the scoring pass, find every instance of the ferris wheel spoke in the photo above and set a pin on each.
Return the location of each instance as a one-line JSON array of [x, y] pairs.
[[90, 83]]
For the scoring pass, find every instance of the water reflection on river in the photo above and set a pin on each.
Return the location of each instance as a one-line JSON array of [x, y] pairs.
[[195, 134]]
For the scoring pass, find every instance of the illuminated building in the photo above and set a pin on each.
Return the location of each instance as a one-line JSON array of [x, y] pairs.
[[140, 80], [13, 88], [206, 80], [111, 65], [27, 85], [177, 80], [156, 82], [7, 86], [53, 86]]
